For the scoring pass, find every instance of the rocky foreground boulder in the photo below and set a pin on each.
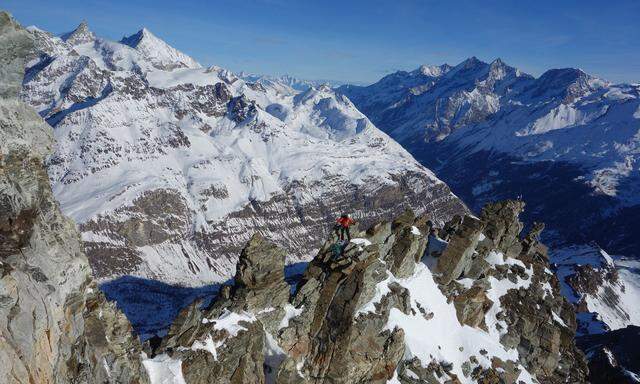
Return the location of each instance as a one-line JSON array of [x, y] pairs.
[[55, 325], [488, 310]]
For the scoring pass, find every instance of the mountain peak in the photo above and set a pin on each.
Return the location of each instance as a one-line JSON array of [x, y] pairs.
[[82, 34], [134, 40], [562, 77], [472, 62], [498, 63], [160, 54], [499, 69]]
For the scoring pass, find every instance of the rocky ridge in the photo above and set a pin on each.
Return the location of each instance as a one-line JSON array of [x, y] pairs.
[[55, 325], [488, 310]]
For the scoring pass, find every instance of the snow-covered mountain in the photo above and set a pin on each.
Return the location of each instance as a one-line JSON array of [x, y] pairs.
[[564, 141], [169, 167], [161, 54]]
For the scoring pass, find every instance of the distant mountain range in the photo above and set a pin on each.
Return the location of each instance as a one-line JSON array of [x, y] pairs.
[[566, 142], [290, 81]]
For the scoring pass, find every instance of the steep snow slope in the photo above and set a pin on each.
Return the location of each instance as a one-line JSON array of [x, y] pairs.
[[159, 53], [169, 167], [563, 141]]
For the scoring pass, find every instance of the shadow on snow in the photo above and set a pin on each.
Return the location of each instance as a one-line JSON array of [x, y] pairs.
[[151, 306]]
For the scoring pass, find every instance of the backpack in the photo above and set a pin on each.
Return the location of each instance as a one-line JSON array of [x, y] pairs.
[[336, 249]]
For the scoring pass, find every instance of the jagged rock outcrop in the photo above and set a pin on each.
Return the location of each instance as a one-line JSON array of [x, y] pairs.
[[371, 311], [330, 341], [457, 257], [535, 319], [55, 326]]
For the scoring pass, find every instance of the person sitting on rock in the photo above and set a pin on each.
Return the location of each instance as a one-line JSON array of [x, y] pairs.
[[342, 226]]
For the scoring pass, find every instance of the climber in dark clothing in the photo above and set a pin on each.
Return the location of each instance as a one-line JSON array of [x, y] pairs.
[[342, 226]]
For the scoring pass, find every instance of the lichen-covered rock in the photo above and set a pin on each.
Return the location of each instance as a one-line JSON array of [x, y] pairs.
[[502, 226], [239, 361], [472, 306], [338, 344], [226, 342], [54, 325], [259, 282], [107, 350]]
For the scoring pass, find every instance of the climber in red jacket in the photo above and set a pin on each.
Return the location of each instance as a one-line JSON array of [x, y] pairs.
[[342, 226]]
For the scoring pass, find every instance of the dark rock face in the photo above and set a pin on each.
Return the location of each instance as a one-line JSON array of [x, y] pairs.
[[107, 351], [457, 257], [613, 356], [17, 223]]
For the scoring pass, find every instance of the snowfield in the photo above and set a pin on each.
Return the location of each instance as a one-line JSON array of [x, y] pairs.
[[442, 337]]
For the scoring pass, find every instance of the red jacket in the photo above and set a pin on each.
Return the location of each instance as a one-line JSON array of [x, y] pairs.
[[345, 221]]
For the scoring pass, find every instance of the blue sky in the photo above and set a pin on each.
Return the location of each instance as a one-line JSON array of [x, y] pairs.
[[361, 41]]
